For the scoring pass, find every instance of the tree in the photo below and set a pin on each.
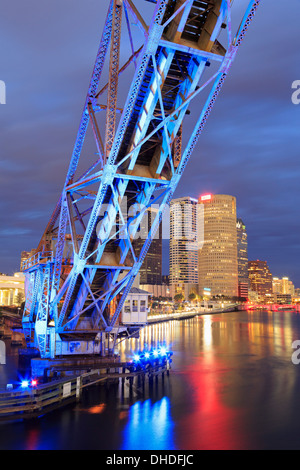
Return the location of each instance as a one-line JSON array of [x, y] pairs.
[[192, 296], [20, 297], [178, 297]]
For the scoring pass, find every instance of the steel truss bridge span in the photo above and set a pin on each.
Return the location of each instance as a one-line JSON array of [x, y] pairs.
[[124, 157]]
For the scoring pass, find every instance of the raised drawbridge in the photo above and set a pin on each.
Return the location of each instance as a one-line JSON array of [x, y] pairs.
[[127, 157]]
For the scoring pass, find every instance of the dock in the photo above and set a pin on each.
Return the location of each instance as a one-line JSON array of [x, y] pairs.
[[43, 395]]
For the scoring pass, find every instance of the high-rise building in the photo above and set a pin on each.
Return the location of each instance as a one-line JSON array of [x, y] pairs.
[[297, 293], [283, 286], [283, 290], [183, 246], [260, 279], [242, 256], [151, 269], [218, 265]]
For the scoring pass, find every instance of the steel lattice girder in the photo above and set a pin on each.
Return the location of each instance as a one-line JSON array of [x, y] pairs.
[[141, 160]]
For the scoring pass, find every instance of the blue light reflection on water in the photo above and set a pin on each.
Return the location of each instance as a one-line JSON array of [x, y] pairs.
[[232, 385], [149, 426]]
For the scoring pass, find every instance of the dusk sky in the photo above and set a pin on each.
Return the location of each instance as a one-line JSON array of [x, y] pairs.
[[249, 147]]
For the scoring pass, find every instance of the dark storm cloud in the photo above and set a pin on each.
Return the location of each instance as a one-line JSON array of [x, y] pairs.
[[249, 147]]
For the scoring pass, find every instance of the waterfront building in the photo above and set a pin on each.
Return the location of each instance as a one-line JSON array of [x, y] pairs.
[[217, 255], [283, 286], [157, 290], [135, 308], [12, 291], [296, 297], [183, 246], [260, 278], [283, 298], [242, 256], [283, 290], [253, 296]]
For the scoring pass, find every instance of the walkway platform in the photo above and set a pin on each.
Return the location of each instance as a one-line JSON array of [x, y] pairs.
[[41, 398]]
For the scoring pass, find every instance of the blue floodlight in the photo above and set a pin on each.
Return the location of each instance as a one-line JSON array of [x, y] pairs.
[[147, 355], [136, 357], [24, 384], [163, 351], [155, 353]]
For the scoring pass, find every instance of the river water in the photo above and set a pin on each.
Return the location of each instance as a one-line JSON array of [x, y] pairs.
[[233, 385]]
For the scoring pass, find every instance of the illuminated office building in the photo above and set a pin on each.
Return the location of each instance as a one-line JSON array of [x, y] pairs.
[[283, 290], [260, 279], [183, 246], [150, 272], [242, 255], [283, 286], [217, 264], [297, 294]]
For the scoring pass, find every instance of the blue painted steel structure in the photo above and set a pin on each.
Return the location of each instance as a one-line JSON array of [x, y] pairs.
[[86, 261]]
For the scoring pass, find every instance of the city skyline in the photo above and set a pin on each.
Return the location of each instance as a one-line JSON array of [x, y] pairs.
[[249, 146], [163, 268], [186, 228], [221, 238], [160, 249], [165, 262]]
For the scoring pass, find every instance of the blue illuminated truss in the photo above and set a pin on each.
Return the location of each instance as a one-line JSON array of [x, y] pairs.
[[86, 262]]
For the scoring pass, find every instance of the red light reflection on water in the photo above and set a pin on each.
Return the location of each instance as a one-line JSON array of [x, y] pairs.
[[210, 420], [32, 440], [212, 424]]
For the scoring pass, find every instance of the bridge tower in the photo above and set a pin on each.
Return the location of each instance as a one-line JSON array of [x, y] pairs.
[[125, 159]]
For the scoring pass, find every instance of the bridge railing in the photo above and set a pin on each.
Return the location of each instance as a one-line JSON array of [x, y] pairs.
[[41, 257]]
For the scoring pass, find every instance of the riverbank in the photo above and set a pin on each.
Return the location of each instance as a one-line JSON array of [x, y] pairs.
[[158, 318]]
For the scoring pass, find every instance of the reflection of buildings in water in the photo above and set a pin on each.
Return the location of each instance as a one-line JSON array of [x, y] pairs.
[[231, 364], [255, 333], [152, 336], [283, 332], [207, 332], [269, 332]]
